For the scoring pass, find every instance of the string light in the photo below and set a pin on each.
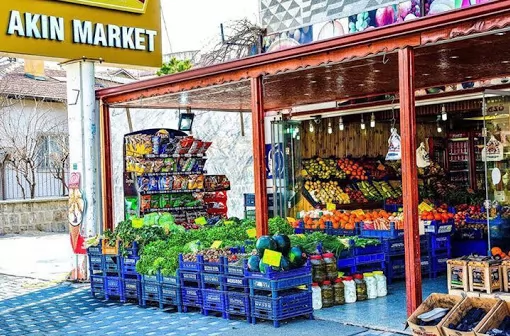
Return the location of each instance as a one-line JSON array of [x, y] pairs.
[[330, 129], [341, 124], [311, 129], [444, 115], [363, 126], [372, 121]]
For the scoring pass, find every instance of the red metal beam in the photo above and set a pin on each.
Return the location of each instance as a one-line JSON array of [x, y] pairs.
[[106, 167], [259, 162], [409, 179]]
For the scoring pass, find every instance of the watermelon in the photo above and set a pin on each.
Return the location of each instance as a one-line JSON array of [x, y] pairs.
[[265, 243], [282, 243], [297, 257], [285, 264], [253, 263], [263, 267]]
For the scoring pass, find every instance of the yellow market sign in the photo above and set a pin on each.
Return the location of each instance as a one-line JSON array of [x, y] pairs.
[[135, 6], [66, 30]]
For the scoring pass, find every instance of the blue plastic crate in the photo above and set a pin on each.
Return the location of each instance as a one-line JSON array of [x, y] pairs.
[[129, 252], [249, 200], [128, 265], [346, 262], [169, 280], [279, 284], [369, 259], [370, 249], [150, 278], [213, 300], [235, 281], [238, 303], [151, 292], [439, 243], [170, 296], [212, 267], [276, 275], [393, 207], [191, 297], [211, 279], [237, 269], [97, 285], [114, 287], [96, 263], [190, 265], [286, 306], [342, 232], [95, 250], [132, 289], [394, 246], [438, 263], [391, 233], [438, 227], [189, 276], [111, 264]]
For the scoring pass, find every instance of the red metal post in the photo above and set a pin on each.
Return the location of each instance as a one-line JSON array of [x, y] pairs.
[[257, 112], [106, 167], [409, 178]]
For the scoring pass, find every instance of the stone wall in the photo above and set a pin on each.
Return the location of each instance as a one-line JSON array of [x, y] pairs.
[[49, 215]]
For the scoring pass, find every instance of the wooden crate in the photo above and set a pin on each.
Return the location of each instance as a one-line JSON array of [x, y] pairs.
[[487, 304], [433, 301], [485, 276], [461, 292], [457, 273], [110, 250], [505, 273], [495, 319]]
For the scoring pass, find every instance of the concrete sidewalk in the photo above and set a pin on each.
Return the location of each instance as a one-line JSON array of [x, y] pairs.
[[36, 255]]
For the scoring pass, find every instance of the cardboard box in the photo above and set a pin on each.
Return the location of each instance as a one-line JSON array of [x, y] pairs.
[[497, 295], [493, 321], [487, 304], [457, 273], [505, 270], [433, 301], [485, 276], [462, 293]]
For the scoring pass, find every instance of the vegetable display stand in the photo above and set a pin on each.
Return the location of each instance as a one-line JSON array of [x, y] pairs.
[[505, 270], [457, 274], [170, 296], [97, 285], [287, 305], [276, 281], [213, 301], [114, 288], [488, 306], [238, 304], [132, 290], [485, 276], [191, 298], [432, 302]]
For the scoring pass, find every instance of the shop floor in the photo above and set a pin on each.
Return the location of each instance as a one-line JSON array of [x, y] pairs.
[[387, 313]]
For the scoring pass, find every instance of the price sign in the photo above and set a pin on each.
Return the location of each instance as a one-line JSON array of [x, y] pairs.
[[201, 221], [330, 206], [216, 244], [137, 223], [358, 212], [424, 207], [291, 220], [300, 235], [252, 233], [272, 258], [229, 222]]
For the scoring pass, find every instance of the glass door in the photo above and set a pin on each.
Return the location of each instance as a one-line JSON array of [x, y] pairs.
[[495, 159]]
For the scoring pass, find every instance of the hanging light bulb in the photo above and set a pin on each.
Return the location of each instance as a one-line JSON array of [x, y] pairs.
[[444, 115], [372, 121], [330, 129], [439, 129], [341, 124], [311, 129], [363, 126]]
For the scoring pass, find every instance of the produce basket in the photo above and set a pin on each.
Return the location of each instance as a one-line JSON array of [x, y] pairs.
[[211, 279], [238, 303], [191, 297], [95, 250], [128, 265], [96, 263], [455, 316], [213, 300], [391, 233], [239, 268], [150, 278], [190, 265], [170, 296], [168, 280], [132, 289], [110, 250]]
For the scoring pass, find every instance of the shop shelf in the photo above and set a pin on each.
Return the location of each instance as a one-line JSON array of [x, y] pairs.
[[191, 297], [369, 258], [132, 289], [438, 227], [286, 306], [190, 265], [170, 296], [211, 279], [392, 233], [169, 280], [213, 300], [238, 303]]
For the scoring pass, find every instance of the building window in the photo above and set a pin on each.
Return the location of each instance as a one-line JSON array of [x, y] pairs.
[[53, 151]]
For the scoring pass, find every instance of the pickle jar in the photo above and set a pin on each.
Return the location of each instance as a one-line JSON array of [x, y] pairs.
[[331, 270], [339, 291], [328, 296], [318, 268], [361, 287]]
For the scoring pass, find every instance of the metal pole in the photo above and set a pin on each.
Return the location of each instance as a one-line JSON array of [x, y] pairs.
[[409, 179], [257, 112]]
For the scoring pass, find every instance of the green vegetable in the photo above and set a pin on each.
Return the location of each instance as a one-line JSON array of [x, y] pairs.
[[280, 225]]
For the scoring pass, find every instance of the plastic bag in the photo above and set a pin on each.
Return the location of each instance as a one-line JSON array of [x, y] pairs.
[[422, 157], [493, 151], [393, 146]]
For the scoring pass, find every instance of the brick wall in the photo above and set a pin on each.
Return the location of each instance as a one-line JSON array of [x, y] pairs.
[[49, 215]]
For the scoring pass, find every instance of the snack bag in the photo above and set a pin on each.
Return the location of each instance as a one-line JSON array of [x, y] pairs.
[[394, 153], [205, 147], [143, 184], [184, 145], [155, 199], [196, 147], [157, 165], [154, 183], [165, 183], [178, 183], [145, 203]]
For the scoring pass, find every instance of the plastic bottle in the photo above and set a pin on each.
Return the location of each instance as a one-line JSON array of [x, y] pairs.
[[339, 290], [318, 268], [331, 270], [361, 287], [349, 290], [382, 285], [328, 296], [371, 285], [316, 296]]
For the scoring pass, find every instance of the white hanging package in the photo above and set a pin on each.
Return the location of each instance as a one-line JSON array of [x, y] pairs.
[[493, 151], [393, 146], [422, 157]]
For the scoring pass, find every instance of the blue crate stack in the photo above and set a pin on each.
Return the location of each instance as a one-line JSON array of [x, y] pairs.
[[439, 245], [393, 249], [170, 292], [151, 290], [275, 296], [362, 259], [190, 282], [131, 279], [97, 279], [236, 289], [212, 286]]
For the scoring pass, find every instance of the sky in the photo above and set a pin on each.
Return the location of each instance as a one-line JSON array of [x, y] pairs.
[[192, 24]]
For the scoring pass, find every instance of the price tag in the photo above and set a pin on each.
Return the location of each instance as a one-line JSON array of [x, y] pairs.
[[358, 212], [424, 207], [137, 223], [272, 258], [201, 221], [228, 222], [252, 233], [291, 220], [216, 244], [300, 235], [330, 206]]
